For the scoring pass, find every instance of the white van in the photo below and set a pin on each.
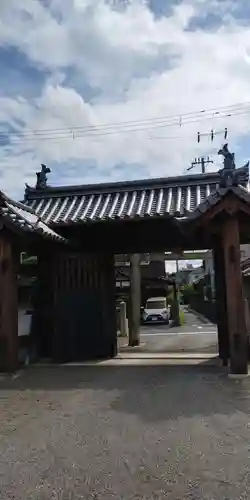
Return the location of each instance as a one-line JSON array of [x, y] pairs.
[[156, 310]]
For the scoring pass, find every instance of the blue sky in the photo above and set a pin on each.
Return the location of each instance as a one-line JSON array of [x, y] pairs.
[[70, 64]]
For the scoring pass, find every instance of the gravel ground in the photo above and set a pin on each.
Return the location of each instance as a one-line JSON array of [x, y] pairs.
[[152, 432]]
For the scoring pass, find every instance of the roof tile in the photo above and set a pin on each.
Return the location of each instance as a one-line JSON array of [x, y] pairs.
[[26, 218], [177, 197]]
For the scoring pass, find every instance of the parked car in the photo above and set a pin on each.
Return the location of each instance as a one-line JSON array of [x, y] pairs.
[[156, 311]]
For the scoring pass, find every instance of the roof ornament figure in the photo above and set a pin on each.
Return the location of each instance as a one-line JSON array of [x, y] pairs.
[[229, 174], [41, 181], [229, 161]]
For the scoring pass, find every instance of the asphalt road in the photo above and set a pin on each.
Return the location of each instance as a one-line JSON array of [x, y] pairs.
[[197, 335], [166, 341]]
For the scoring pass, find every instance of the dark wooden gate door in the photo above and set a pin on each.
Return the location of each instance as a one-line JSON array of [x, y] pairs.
[[8, 307], [84, 308]]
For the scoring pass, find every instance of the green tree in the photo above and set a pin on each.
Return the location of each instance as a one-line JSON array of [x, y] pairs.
[[188, 291]]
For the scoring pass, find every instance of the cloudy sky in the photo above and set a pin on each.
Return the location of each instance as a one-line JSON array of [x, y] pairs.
[[101, 90]]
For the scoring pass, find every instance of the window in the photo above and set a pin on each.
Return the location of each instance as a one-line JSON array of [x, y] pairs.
[[156, 304]]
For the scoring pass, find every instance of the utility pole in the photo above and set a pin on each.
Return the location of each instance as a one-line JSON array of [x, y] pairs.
[[201, 161]]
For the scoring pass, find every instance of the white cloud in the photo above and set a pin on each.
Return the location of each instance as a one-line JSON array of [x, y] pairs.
[[139, 67]]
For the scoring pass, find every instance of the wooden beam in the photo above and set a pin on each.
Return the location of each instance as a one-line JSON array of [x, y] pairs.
[[231, 205], [234, 296]]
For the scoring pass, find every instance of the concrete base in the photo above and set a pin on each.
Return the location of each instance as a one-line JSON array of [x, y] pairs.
[[132, 348], [147, 359], [144, 362], [165, 355]]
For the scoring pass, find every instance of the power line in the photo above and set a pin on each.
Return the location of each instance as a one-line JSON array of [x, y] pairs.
[[174, 120], [205, 134], [212, 134], [111, 130], [82, 135]]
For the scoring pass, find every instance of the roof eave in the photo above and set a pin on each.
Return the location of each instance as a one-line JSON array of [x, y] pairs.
[[216, 197], [20, 230], [139, 184], [79, 223]]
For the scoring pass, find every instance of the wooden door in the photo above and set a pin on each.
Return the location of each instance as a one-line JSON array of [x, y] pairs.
[[84, 307], [8, 307]]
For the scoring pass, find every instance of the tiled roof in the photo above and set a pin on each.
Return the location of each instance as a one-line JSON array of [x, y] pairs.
[[24, 218], [240, 191], [176, 196], [245, 267]]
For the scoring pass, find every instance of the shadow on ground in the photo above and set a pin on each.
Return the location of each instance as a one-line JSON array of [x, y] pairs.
[[152, 393]]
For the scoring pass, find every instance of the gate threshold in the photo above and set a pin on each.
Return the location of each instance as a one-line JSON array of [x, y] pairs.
[[143, 359], [165, 355]]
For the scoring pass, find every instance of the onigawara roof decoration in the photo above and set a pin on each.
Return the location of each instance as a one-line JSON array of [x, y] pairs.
[[21, 217], [41, 176], [171, 196], [230, 176]]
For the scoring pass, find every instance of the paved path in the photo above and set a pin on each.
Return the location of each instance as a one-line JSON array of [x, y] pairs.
[[196, 336], [124, 433], [179, 342]]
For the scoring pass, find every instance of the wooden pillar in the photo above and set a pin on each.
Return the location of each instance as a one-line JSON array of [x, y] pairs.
[[221, 301], [8, 307], [234, 295], [135, 300]]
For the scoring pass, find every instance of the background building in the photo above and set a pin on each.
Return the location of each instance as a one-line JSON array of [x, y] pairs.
[[154, 280]]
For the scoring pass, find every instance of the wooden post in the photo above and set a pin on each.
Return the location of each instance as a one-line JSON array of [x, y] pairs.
[[221, 302], [135, 300], [234, 295], [8, 307]]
